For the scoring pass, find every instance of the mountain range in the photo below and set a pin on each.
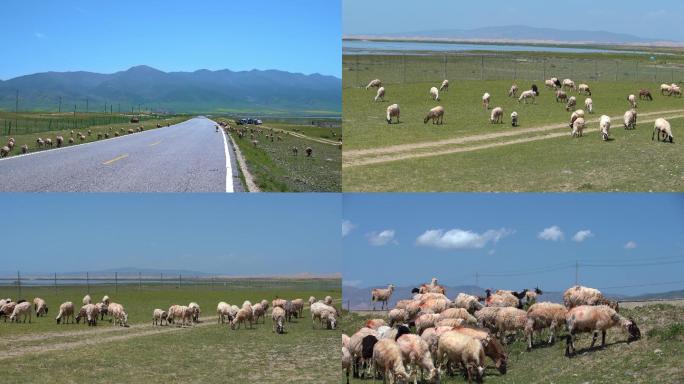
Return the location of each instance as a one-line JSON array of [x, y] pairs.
[[269, 92]]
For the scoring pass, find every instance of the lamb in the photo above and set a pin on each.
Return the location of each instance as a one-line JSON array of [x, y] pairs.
[[257, 312], [40, 307], [416, 354], [436, 114], [572, 102], [380, 95], [561, 96], [497, 115], [575, 115], [444, 86], [86, 299], [510, 319], [117, 312], [397, 315], [662, 128], [514, 119], [323, 312], [434, 93], [467, 302], [492, 348], [458, 313], [66, 310], [529, 94], [587, 318], [577, 127], [387, 357], [21, 309], [579, 295], [381, 295], [544, 315], [374, 83], [393, 111], [583, 88], [632, 101], [630, 118], [645, 94], [513, 91], [604, 125], [589, 104], [278, 320], [158, 317], [425, 321], [244, 315], [568, 84], [462, 350], [485, 100]]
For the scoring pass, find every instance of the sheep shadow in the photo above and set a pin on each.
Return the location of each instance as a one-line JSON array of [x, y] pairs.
[[598, 347]]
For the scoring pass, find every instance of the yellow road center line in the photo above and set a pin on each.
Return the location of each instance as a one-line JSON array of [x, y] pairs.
[[155, 143], [115, 159]]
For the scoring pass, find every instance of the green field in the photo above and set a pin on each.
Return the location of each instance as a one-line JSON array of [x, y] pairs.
[[468, 153], [204, 352], [276, 169], [30, 126], [656, 358]]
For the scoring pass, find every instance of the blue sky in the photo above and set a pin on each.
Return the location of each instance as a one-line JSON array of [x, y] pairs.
[[262, 234], [171, 35], [515, 240], [640, 18]]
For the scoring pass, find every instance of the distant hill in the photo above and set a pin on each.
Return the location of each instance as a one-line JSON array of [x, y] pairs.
[[527, 34], [257, 92]]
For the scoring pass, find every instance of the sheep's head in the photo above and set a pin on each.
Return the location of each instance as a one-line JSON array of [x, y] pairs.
[[426, 119], [332, 322], [634, 332], [480, 373], [280, 326]]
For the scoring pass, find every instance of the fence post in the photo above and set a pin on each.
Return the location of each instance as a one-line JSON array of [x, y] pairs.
[[445, 66], [139, 281], [482, 67], [55, 282], [18, 284], [179, 281], [161, 279], [88, 281], [544, 71], [617, 69], [403, 68], [116, 282], [636, 75]]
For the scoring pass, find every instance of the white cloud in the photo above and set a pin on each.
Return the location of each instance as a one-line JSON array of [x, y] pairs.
[[582, 235], [552, 233], [347, 227], [492, 251], [630, 245], [381, 238], [460, 239], [39, 35]]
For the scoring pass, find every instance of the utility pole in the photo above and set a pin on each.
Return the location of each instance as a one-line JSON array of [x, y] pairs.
[[477, 279], [87, 106], [60, 104], [576, 273], [16, 111]]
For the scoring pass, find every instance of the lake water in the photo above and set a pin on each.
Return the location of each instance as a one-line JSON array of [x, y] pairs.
[[358, 47]]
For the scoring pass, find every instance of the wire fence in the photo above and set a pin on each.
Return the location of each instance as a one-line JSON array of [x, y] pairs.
[[162, 281], [19, 124], [358, 70]]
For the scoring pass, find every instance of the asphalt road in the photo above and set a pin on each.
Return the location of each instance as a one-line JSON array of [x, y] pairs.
[[186, 157]]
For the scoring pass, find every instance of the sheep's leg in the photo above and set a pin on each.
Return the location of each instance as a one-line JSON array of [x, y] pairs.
[[593, 339], [603, 338]]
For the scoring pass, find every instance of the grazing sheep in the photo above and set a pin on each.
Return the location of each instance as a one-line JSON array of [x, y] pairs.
[[485, 100], [323, 312], [579, 295], [645, 94], [568, 84], [279, 303], [589, 104], [486, 317], [116, 134], [514, 119], [4, 151], [604, 125], [328, 300], [118, 313], [89, 313], [572, 102], [575, 115], [24, 148], [346, 362], [510, 319], [99, 136], [544, 315], [587, 318], [584, 89], [40, 307], [458, 313], [244, 315], [86, 299], [81, 136], [380, 95], [103, 309], [632, 101], [278, 319], [7, 308], [106, 135], [48, 142], [196, 311], [561, 96], [449, 323], [106, 300], [415, 354], [662, 128], [66, 310], [578, 127], [40, 142], [492, 348], [393, 111], [397, 316], [308, 151], [21, 309], [223, 311], [158, 317], [436, 114], [550, 83], [312, 300], [675, 90], [258, 312], [71, 140], [665, 88], [434, 93], [381, 295], [426, 320], [502, 299], [59, 140], [462, 350], [467, 302], [387, 357], [374, 83], [513, 91], [497, 115], [444, 86], [361, 348], [526, 95], [264, 304]]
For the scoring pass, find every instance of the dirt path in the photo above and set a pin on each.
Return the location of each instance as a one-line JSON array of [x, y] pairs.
[[303, 136], [12, 350], [361, 157], [249, 179]]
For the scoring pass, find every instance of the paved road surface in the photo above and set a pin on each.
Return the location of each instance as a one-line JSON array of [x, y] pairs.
[[186, 157]]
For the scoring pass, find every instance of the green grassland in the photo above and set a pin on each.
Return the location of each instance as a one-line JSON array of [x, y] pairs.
[[50, 125], [656, 358], [204, 352]]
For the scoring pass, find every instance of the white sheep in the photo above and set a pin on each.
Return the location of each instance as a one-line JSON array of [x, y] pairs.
[[328, 300], [468, 302], [196, 311], [604, 125], [40, 307], [258, 312], [458, 313], [497, 115], [312, 300], [86, 299], [21, 309], [397, 315], [568, 84], [665, 88], [584, 88], [278, 319], [387, 358], [580, 295], [578, 127], [630, 119], [323, 312], [105, 299], [380, 95], [118, 313], [435, 114], [514, 119], [66, 310], [346, 362], [513, 91], [244, 315], [434, 93], [416, 354], [510, 319], [374, 83], [392, 111], [589, 104], [89, 313], [572, 102], [662, 128], [544, 315], [485, 100], [526, 95], [158, 317], [632, 101], [463, 350], [444, 86], [587, 318], [550, 83], [223, 312], [382, 295], [575, 115], [425, 321]]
